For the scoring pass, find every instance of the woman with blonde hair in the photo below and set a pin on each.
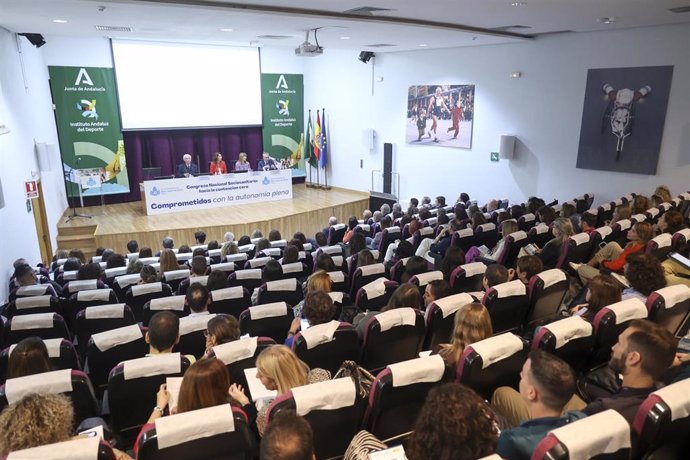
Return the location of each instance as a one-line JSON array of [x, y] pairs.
[[242, 164], [218, 165], [507, 227], [227, 249], [664, 193], [551, 252], [472, 324], [168, 261]]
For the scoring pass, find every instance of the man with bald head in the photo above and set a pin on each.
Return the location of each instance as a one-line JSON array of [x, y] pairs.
[[187, 168]]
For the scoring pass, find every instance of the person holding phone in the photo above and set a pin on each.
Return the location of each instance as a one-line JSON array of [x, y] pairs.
[[318, 309]]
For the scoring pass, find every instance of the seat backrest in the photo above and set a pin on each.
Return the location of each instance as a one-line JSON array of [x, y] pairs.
[[539, 235], [101, 318], [397, 270], [231, 301], [192, 338], [175, 304], [174, 278], [669, 306], [605, 435], [122, 283], [398, 394], [184, 285], [214, 432], [90, 448], [249, 278], [467, 277], [422, 279], [32, 305], [296, 270], [507, 304], [237, 259], [392, 336], [327, 345], [664, 417], [487, 235], [33, 290], [61, 353], [107, 349], [390, 234], [336, 233], [269, 320], [332, 408], [240, 355], [660, 246], [604, 213], [422, 234], [340, 281], [365, 275], [286, 290], [88, 298], [81, 285], [580, 248], [464, 239], [608, 324], [132, 388], [546, 291], [74, 384], [375, 295], [571, 339], [526, 222], [137, 296], [514, 242], [43, 325], [440, 319], [680, 240], [491, 363]]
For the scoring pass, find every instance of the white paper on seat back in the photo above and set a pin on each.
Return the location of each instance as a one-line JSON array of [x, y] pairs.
[[53, 382], [328, 395], [222, 85], [196, 424], [74, 449]]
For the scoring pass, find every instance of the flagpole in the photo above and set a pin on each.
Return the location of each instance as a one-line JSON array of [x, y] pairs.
[[307, 145], [325, 166]]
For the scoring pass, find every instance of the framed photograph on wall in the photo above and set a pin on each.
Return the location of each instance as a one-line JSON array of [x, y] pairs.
[[623, 118], [440, 115]]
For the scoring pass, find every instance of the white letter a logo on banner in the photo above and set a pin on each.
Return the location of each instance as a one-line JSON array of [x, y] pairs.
[[83, 77], [282, 83]]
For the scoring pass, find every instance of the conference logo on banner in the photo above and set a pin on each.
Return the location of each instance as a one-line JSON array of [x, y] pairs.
[[282, 99], [88, 123]]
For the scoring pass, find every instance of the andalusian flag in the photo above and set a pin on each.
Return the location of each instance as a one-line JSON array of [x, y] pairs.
[[323, 159], [309, 156], [317, 137]]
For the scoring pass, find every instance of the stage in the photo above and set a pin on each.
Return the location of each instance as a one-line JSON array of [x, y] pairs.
[[308, 211]]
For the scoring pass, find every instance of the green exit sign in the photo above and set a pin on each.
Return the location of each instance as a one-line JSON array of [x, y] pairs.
[[494, 156]]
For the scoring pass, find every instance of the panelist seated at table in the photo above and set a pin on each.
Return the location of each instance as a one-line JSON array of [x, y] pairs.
[[242, 164], [266, 163], [187, 168], [218, 165]]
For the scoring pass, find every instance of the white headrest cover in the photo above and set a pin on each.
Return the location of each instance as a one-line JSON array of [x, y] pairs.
[[321, 333], [677, 398], [166, 363], [183, 256], [336, 296], [569, 329], [510, 289], [295, 267], [225, 266], [249, 274], [35, 321], [259, 262], [425, 231], [81, 285], [74, 449], [176, 275], [604, 231], [331, 249], [551, 277], [375, 253], [236, 292], [685, 232], [372, 269], [580, 238], [605, 206], [289, 284], [420, 370], [663, 240], [236, 257], [101, 295], [519, 235], [453, 303], [431, 221], [602, 433], [685, 195], [365, 227], [189, 324], [268, 310], [464, 233], [628, 309], [127, 280], [52, 345], [187, 426], [148, 288], [474, 268], [69, 275], [203, 280], [497, 348], [175, 302], [338, 227], [376, 288], [674, 294], [25, 303], [638, 217], [487, 227], [426, 278], [328, 395], [337, 276], [113, 272], [396, 317], [214, 252], [104, 341], [529, 217], [44, 383], [624, 224], [149, 260], [115, 310], [307, 247], [653, 212], [33, 290], [238, 350], [273, 252], [338, 260]]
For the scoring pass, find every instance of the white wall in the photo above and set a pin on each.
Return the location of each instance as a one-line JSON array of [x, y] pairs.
[[28, 114], [543, 108]]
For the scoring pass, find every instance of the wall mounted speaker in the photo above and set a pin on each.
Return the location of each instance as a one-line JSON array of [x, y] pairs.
[[507, 147], [365, 56], [35, 39], [387, 166]]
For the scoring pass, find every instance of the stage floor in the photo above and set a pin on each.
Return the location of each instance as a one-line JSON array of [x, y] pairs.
[[308, 211]]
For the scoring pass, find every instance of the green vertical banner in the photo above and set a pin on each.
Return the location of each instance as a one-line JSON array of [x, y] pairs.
[[282, 99], [88, 123]]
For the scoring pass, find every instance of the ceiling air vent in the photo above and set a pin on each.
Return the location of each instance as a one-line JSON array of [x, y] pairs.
[[274, 37], [114, 29], [513, 27], [379, 45], [680, 9], [367, 10]]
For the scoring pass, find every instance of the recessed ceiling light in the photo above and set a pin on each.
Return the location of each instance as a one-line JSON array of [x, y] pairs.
[[609, 20], [423, 45], [60, 21], [516, 4], [226, 30], [344, 38]]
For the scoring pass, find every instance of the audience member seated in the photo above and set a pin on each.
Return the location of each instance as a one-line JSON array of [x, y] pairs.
[[440, 244], [671, 222], [525, 268], [508, 227], [29, 357], [434, 290], [318, 309], [24, 275], [221, 329], [645, 275], [406, 295], [398, 251], [272, 271], [163, 333], [364, 258], [148, 274], [79, 254], [640, 204], [318, 281], [168, 261], [551, 252], [145, 252], [274, 235], [612, 257], [134, 266], [588, 223], [290, 255], [197, 299], [602, 291], [415, 266], [228, 248], [320, 240], [325, 262], [546, 215], [373, 243], [89, 272], [288, 437], [218, 279], [352, 223], [472, 324], [132, 246], [357, 243], [262, 244], [494, 275], [453, 259], [547, 383], [116, 260]]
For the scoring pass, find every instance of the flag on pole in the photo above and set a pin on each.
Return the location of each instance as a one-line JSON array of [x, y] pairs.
[[309, 156], [323, 158], [317, 137]]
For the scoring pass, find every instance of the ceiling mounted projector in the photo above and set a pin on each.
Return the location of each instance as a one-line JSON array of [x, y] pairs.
[[307, 49]]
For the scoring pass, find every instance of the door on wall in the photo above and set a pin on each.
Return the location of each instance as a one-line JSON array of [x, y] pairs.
[[42, 229]]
